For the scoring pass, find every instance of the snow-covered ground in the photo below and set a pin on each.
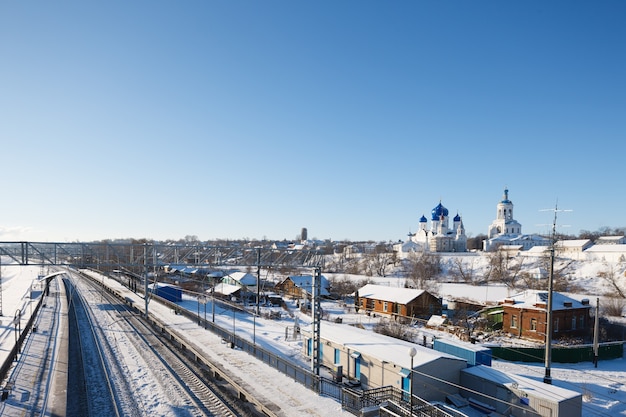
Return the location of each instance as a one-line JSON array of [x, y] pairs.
[[289, 397], [603, 388]]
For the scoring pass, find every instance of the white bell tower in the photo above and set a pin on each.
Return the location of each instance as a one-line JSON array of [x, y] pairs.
[[505, 223]]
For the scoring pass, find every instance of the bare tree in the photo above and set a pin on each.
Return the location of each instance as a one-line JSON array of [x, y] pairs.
[[562, 267], [504, 268], [378, 262], [345, 286], [614, 307], [463, 271], [421, 269], [616, 281], [532, 282]]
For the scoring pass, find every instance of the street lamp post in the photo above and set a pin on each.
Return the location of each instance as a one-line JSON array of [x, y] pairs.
[[233, 344], [412, 353], [213, 302], [18, 328]]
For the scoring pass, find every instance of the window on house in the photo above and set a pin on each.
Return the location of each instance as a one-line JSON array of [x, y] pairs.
[[385, 306], [582, 322], [514, 321], [556, 325], [574, 323], [533, 325]]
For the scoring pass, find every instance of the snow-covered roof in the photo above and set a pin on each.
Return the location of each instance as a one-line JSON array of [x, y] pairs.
[[391, 294], [375, 345], [573, 243], [478, 293], [532, 387], [540, 250], [226, 289], [517, 238], [511, 247], [409, 246], [306, 283], [610, 238], [244, 278], [538, 300], [619, 248]]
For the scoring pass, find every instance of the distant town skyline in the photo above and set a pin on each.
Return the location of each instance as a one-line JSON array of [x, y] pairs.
[[353, 119]]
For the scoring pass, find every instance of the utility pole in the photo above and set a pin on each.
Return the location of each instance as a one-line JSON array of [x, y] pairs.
[[258, 280], [549, 321], [1, 286], [145, 279], [316, 316], [596, 330], [548, 356]]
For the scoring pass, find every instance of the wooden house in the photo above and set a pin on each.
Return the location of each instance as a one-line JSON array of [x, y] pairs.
[[404, 302], [301, 286]]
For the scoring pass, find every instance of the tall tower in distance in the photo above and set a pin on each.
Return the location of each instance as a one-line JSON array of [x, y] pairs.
[[303, 234], [504, 224]]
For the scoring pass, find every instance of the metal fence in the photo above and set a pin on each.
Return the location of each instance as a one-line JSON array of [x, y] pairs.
[[568, 354]]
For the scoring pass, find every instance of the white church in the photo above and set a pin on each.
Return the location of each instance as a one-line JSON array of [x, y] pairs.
[[506, 231], [439, 237]]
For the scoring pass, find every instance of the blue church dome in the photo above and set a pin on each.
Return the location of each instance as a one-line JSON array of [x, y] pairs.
[[457, 218], [423, 219], [439, 211], [505, 197]]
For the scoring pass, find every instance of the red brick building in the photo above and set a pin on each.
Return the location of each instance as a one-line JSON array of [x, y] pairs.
[[525, 315]]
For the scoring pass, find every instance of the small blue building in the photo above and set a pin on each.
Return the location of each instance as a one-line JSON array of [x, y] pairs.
[[473, 354], [168, 292]]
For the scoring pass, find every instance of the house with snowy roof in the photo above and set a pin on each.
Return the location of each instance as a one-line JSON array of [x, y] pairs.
[[606, 252], [241, 279], [525, 315], [611, 240], [234, 285], [572, 248], [226, 291], [394, 301], [301, 286]]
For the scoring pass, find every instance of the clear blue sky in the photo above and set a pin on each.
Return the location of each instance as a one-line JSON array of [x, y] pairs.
[[252, 119]]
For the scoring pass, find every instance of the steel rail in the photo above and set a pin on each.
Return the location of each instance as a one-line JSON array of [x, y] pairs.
[[78, 300]]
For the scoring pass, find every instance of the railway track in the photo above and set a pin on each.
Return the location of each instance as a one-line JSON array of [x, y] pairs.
[[130, 370]]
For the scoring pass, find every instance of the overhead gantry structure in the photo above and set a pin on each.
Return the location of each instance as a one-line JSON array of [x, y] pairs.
[[134, 255]]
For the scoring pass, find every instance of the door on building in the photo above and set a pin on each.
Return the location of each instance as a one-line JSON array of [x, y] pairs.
[[406, 383], [357, 365]]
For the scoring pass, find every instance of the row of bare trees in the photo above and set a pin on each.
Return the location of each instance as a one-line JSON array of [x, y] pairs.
[[423, 270]]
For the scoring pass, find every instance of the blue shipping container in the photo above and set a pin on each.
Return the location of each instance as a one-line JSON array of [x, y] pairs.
[[170, 293], [473, 354]]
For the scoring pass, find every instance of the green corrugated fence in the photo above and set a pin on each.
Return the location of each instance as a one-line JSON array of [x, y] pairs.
[[566, 354]]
